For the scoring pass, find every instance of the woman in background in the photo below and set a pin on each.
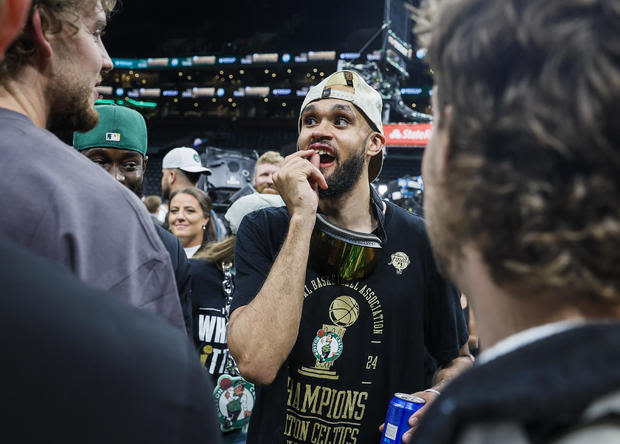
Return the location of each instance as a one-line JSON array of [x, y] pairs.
[[212, 274], [189, 219]]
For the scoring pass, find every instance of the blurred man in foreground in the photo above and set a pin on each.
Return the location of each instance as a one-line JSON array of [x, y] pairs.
[[521, 199], [48, 82], [77, 358]]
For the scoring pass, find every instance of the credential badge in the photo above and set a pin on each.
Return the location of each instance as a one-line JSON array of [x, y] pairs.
[[234, 400], [400, 261]]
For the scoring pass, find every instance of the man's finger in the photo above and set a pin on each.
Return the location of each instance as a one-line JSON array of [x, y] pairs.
[[316, 160], [417, 415], [408, 434], [317, 177], [303, 153]]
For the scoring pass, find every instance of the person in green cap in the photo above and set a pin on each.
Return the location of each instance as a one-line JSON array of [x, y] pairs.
[[118, 144]]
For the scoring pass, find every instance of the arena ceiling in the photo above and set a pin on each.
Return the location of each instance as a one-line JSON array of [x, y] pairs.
[[143, 28]]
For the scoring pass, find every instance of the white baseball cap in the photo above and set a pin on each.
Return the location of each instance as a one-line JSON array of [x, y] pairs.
[[246, 204], [185, 159], [350, 86]]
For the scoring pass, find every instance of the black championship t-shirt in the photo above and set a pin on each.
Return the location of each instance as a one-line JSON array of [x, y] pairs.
[[358, 342], [209, 322]]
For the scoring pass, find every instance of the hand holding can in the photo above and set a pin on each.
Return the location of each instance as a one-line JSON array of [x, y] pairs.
[[401, 407]]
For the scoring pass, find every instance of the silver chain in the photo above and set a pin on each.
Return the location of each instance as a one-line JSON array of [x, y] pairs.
[[227, 288]]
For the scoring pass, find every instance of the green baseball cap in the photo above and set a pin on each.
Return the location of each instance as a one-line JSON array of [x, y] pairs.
[[119, 127]]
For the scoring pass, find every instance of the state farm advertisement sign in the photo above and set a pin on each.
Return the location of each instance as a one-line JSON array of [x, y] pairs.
[[407, 134]]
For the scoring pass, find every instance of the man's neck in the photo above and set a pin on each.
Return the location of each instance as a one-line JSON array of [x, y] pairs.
[[26, 96], [501, 313], [181, 185], [351, 210]]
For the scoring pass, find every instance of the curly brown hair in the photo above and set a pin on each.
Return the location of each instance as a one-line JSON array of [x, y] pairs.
[[533, 174], [55, 16]]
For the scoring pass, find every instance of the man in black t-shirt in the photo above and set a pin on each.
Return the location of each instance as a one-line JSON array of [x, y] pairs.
[[317, 389]]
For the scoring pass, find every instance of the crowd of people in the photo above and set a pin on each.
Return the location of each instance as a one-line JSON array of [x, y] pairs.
[[295, 319]]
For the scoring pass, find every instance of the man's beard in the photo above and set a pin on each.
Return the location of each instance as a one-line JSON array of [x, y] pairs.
[[444, 246], [71, 108], [265, 189], [345, 176], [165, 192], [136, 189]]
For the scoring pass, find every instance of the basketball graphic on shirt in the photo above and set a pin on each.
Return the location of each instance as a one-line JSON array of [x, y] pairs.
[[344, 311]]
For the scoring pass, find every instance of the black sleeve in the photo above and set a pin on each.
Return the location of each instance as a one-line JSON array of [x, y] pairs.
[[182, 274], [445, 328], [258, 240]]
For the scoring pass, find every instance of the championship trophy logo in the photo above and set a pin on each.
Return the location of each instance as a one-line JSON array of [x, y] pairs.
[[327, 345], [234, 400], [400, 261]]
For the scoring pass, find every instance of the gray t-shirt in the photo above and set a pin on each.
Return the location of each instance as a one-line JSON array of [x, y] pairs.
[[60, 205]]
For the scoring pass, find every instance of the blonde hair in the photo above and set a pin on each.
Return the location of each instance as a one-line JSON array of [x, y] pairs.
[[269, 157], [218, 252]]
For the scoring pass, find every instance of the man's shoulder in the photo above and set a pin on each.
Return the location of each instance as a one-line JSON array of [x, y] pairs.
[[272, 213], [44, 160], [402, 216], [55, 176], [597, 424], [272, 218], [399, 221], [56, 288], [23, 141]]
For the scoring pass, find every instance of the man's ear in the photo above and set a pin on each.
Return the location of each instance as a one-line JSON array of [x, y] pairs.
[[375, 144], [13, 15], [38, 35], [146, 160], [173, 176]]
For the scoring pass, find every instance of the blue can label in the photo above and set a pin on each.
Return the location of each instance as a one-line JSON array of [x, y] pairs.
[[402, 406]]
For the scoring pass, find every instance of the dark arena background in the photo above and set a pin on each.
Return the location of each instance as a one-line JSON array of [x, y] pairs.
[[228, 78]]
